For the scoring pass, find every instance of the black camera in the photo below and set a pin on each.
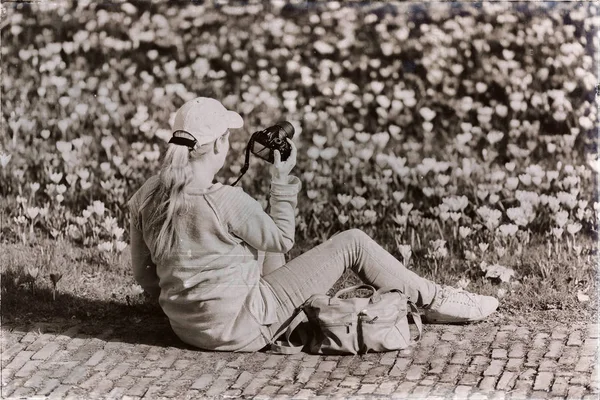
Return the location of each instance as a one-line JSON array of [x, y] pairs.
[[264, 143]]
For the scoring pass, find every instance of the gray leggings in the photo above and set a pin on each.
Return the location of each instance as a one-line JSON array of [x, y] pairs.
[[317, 270]]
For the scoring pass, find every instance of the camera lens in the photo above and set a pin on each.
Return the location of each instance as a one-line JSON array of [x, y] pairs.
[[287, 128]]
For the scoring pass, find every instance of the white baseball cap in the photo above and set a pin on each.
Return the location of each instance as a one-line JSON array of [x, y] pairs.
[[206, 119]]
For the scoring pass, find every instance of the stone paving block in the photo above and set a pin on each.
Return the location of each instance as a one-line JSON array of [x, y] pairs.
[[92, 380], [501, 340], [119, 370], [506, 381], [242, 380], [589, 347], [514, 364], [496, 368], [480, 360], [539, 395], [429, 380], [449, 337], [203, 381], [543, 381], [575, 392], [180, 364], [560, 386], [581, 379], [8, 353], [423, 355], [469, 379], [27, 369], [326, 366], [76, 342], [273, 361], [168, 360], [329, 388], [415, 372], [487, 383], [554, 349], [420, 392], [103, 386], [136, 372], [289, 389], [367, 388], [451, 373], [516, 350], [575, 339], [177, 387], [23, 392], [341, 373], [316, 380], [593, 330], [403, 390], [533, 357], [385, 388], [547, 365], [437, 365], [400, 366], [388, 358], [559, 333], [168, 376], [304, 394], [254, 386], [265, 373], [116, 393], [125, 382], [59, 392], [442, 389], [363, 368], [37, 379], [48, 385], [140, 387], [96, 358], [460, 357], [569, 356], [499, 353], [310, 361], [20, 360], [219, 386]]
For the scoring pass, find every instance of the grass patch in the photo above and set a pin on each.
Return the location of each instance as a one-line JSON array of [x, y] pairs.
[[94, 288]]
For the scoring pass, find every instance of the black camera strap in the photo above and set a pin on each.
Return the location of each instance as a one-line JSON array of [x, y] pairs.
[[246, 161]]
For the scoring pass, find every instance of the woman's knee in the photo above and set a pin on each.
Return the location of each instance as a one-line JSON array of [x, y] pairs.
[[353, 235]]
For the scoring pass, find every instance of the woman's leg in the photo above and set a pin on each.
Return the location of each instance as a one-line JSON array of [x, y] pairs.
[[317, 270], [270, 261]]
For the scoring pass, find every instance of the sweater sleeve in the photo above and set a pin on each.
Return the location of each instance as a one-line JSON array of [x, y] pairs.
[[248, 221], [144, 269]]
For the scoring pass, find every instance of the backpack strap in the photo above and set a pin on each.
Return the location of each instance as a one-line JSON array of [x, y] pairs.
[[414, 311], [286, 346]]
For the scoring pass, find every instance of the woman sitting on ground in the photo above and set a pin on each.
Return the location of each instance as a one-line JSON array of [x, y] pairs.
[[199, 247]]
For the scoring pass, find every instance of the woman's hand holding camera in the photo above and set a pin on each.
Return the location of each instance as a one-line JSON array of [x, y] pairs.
[[281, 169]]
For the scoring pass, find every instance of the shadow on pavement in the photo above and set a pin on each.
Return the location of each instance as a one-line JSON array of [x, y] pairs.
[[25, 307]]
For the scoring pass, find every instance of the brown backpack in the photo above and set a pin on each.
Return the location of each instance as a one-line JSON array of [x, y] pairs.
[[350, 326]]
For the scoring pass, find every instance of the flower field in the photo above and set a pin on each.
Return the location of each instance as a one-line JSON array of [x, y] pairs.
[[460, 136]]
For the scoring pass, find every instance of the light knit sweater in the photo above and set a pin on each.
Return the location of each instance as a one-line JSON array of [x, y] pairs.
[[211, 288]]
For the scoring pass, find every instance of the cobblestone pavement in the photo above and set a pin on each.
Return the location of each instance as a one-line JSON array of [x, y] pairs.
[[479, 361]]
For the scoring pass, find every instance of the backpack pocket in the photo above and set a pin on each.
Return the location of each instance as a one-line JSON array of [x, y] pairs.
[[380, 335], [335, 338]]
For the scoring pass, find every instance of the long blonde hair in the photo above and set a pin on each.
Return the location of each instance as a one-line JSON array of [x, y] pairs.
[[168, 198]]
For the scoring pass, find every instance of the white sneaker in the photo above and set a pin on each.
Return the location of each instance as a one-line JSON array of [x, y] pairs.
[[452, 305]]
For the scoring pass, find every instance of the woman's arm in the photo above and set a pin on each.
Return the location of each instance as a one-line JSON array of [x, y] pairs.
[[248, 221], [144, 269]]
